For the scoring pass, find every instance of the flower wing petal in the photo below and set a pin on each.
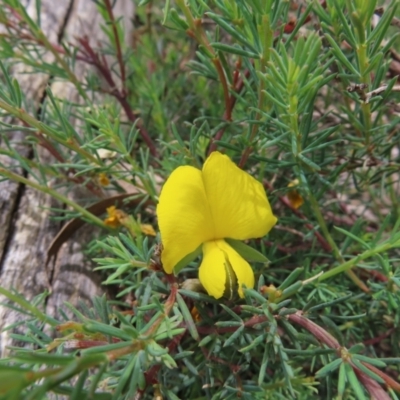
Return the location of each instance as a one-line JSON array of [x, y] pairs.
[[213, 269], [212, 273], [184, 216], [238, 203]]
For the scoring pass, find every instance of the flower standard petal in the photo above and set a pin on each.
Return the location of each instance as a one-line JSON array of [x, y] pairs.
[[238, 203], [218, 259], [184, 216]]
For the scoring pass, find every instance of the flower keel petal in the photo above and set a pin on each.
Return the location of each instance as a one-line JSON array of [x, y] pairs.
[[213, 271], [243, 271]]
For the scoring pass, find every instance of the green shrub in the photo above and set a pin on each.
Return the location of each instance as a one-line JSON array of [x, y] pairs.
[[302, 96]]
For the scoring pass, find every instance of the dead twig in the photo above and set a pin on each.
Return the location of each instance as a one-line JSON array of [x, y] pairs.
[[366, 97]]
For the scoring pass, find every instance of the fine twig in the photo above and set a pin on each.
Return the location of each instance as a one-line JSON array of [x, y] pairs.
[[118, 48], [104, 70], [366, 97], [238, 85]]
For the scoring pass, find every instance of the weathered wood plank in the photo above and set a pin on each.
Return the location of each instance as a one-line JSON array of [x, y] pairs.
[[28, 226], [25, 212]]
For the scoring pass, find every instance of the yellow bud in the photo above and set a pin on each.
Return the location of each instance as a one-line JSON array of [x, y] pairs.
[[294, 197]]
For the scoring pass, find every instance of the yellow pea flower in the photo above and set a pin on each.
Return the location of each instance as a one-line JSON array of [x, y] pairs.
[[103, 179], [147, 229], [204, 207], [118, 217], [114, 217], [295, 198]]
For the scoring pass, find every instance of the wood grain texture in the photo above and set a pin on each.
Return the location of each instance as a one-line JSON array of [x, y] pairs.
[[27, 227]]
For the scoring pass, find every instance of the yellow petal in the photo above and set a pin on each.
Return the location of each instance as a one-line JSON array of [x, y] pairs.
[[103, 179], [295, 198], [244, 272], [184, 216], [238, 202], [111, 211], [112, 222], [212, 272], [147, 229], [113, 218], [293, 183]]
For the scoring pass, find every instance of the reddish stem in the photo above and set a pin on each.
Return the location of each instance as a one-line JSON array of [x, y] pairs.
[[388, 380], [107, 3], [237, 87], [288, 250], [325, 337], [320, 333], [379, 338], [222, 77], [92, 58], [55, 153], [121, 97], [151, 374], [373, 387]]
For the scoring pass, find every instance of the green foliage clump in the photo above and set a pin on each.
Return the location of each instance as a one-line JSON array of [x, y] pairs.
[[303, 96]]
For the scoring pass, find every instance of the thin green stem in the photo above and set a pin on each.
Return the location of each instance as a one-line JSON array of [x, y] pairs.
[[45, 189], [359, 26], [266, 36], [72, 77], [322, 224], [22, 115], [346, 266], [336, 252], [41, 38], [186, 11], [26, 305], [198, 32], [363, 62]]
